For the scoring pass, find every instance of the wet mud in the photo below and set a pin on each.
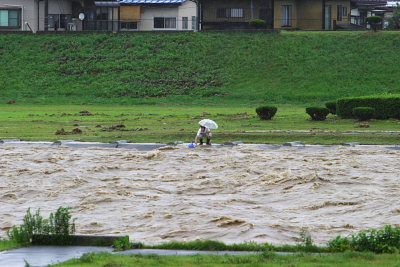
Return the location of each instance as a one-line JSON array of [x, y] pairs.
[[238, 194]]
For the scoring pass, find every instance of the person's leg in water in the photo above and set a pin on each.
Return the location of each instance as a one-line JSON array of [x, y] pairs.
[[208, 136], [201, 140]]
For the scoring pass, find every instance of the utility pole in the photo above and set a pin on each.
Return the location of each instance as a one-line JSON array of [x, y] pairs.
[[46, 15]]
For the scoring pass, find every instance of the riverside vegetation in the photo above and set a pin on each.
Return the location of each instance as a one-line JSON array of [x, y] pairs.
[[356, 250], [60, 226]]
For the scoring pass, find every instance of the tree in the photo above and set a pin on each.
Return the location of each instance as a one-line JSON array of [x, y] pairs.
[[374, 21], [394, 22]]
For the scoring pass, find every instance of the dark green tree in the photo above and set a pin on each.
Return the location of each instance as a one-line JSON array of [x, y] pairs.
[[374, 21], [394, 22]]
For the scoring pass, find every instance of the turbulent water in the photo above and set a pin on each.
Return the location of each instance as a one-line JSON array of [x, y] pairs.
[[244, 193]]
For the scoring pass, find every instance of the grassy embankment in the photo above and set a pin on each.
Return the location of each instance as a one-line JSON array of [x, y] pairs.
[[180, 76], [264, 259]]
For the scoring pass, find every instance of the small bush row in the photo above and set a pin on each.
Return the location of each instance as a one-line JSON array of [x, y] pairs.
[[316, 113]]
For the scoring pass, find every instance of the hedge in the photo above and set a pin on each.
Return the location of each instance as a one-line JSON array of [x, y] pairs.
[[385, 106], [363, 113]]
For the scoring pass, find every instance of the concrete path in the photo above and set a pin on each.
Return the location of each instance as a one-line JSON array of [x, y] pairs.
[[44, 255], [40, 256]]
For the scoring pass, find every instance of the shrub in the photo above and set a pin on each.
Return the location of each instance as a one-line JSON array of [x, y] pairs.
[[258, 23], [317, 113], [374, 21], [331, 105], [385, 240], [58, 225], [122, 244], [363, 113], [385, 106], [339, 244], [266, 112]]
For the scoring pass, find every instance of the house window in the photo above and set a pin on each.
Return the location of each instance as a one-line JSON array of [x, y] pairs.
[[185, 23], [164, 23], [10, 18], [341, 12], [286, 16], [230, 13], [194, 23]]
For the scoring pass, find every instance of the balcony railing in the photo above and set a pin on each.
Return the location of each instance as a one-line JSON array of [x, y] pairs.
[[369, 2]]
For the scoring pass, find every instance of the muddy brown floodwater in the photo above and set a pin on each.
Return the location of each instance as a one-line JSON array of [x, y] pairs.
[[238, 194]]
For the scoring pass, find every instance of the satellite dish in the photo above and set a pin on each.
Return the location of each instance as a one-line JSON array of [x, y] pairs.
[[81, 16]]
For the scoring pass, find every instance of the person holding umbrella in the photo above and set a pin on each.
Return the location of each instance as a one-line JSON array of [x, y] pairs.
[[205, 131]]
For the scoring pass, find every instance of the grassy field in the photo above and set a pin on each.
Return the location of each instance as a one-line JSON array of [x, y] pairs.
[[265, 259], [196, 68], [168, 123]]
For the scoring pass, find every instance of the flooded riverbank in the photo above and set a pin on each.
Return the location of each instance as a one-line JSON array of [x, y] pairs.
[[243, 193]]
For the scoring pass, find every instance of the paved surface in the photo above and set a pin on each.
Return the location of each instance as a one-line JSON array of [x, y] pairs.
[[38, 256], [44, 255]]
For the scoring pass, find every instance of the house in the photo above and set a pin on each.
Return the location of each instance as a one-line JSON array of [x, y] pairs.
[[40, 15], [361, 9], [155, 15], [89, 15], [278, 14]]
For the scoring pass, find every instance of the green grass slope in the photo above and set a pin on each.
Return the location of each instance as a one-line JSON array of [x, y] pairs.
[[240, 68]]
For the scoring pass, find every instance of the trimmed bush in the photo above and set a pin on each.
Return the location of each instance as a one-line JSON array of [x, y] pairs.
[[374, 21], [266, 112], [258, 23], [363, 113], [317, 113], [331, 105], [385, 106]]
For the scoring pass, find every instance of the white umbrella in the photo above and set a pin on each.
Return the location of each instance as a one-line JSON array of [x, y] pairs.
[[209, 124]]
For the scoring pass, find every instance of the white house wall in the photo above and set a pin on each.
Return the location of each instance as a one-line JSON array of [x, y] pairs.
[[149, 13], [187, 9], [29, 11]]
